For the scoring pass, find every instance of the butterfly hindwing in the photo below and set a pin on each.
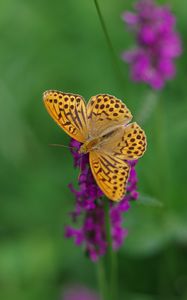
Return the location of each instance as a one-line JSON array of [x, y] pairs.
[[106, 112], [69, 112], [110, 173], [126, 142], [133, 143]]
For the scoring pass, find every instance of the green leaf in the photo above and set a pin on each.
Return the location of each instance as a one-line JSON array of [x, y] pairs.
[[149, 201]]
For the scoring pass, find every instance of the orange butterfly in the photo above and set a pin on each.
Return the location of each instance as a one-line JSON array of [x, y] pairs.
[[101, 126]]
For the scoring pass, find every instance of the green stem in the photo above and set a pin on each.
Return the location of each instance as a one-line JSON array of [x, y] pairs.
[[165, 194], [112, 257], [109, 43], [102, 279]]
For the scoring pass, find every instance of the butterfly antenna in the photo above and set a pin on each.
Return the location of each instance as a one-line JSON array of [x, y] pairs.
[[60, 145]]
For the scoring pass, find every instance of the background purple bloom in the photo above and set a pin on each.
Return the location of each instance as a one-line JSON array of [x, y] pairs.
[[90, 207], [152, 61], [79, 293]]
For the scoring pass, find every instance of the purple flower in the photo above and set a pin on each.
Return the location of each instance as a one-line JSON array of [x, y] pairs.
[[89, 207], [79, 293], [152, 61]]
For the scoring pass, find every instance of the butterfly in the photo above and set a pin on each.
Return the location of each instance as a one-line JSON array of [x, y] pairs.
[[102, 126]]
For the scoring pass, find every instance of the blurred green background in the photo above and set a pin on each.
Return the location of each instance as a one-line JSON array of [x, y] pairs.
[[60, 45]]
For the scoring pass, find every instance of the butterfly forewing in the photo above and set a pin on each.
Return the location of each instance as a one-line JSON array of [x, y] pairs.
[[110, 173], [69, 112], [106, 112]]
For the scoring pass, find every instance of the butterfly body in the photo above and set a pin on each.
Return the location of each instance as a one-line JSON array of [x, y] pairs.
[[96, 143], [89, 145], [102, 128]]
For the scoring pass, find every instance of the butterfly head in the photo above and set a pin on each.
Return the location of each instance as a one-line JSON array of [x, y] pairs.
[[89, 145], [83, 149]]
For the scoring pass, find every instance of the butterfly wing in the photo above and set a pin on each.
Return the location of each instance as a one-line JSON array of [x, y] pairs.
[[106, 112], [111, 174], [127, 142], [69, 112]]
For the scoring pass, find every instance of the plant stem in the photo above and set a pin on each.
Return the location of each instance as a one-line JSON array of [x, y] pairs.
[[111, 254], [109, 43], [165, 194], [102, 279]]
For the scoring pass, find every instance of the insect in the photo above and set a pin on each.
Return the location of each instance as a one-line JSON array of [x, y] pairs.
[[102, 128]]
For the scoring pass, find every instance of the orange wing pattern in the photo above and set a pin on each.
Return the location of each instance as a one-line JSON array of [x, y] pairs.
[[69, 112], [106, 112], [111, 174], [133, 143], [127, 142]]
